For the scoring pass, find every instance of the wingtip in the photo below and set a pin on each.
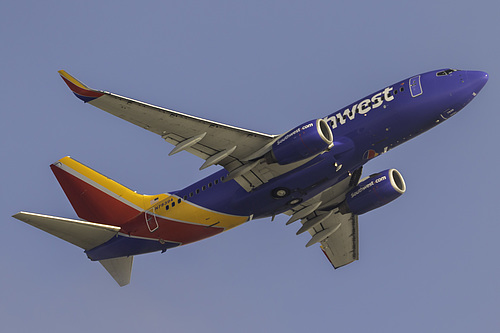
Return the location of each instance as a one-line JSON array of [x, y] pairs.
[[80, 90]]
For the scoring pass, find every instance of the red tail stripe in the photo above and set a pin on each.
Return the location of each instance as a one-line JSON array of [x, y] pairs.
[[91, 203]]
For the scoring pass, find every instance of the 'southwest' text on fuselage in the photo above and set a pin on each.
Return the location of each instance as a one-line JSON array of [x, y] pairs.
[[362, 107]]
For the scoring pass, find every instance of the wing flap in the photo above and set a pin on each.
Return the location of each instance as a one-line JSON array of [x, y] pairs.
[[83, 234]]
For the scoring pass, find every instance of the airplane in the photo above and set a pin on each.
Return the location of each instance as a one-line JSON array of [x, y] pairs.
[[311, 173]]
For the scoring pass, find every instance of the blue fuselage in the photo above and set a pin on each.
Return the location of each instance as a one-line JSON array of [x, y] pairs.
[[363, 130]]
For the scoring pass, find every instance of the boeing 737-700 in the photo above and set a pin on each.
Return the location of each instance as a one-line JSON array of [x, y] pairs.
[[311, 173]]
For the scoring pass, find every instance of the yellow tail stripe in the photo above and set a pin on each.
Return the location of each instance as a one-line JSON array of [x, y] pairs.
[[164, 205], [139, 200]]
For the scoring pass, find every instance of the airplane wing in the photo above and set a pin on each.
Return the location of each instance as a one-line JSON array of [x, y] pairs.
[[236, 149], [341, 247], [337, 233]]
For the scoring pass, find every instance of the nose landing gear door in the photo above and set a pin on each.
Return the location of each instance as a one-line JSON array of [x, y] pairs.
[[415, 86]]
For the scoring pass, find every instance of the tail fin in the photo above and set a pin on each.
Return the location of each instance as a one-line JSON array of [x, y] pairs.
[[86, 235], [109, 206], [97, 198]]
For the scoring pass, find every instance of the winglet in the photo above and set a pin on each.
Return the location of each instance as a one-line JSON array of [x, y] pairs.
[[80, 90]]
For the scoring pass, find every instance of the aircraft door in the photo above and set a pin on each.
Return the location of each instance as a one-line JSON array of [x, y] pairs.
[[415, 86], [151, 221]]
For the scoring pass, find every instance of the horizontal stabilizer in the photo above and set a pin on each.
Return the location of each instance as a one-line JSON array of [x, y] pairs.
[[119, 268], [86, 235]]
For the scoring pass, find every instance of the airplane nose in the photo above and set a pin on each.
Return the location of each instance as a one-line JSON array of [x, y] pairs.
[[477, 79]]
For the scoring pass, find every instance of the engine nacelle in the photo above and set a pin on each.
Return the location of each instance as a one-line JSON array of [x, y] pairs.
[[306, 140], [378, 190]]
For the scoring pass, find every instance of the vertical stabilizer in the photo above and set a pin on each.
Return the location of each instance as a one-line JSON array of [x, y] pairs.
[[98, 198], [119, 268]]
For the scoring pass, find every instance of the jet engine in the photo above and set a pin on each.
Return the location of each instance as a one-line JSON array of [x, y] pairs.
[[374, 192], [306, 140]]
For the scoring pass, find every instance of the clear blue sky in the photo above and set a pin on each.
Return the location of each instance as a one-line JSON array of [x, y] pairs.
[[428, 261]]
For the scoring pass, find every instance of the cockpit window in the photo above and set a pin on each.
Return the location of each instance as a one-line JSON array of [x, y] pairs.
[[446, 72]]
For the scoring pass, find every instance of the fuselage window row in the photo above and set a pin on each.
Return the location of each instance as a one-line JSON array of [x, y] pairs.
[[203, 188]]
